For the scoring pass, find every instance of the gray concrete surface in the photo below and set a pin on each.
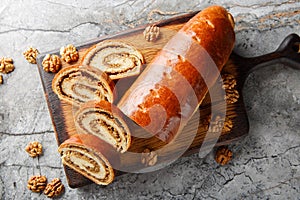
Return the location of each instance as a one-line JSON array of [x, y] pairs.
[[266, 164]]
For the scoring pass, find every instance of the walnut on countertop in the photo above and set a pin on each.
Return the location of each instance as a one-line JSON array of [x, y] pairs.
[[6, 65], [34, 149], [151, 33], [51, 63], [148, 157], [30, 55], [1, 79], [223, 155], [54, 188], [69, 53], [37, 183]]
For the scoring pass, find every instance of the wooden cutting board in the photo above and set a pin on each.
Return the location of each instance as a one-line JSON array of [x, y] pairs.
[[62, 113]]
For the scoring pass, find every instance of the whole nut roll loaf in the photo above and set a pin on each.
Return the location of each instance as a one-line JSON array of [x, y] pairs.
[[171, 88]]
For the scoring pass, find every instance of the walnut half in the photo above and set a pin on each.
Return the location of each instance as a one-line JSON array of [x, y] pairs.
[[1, 79], [6, 65], [69, 53], [51, 63], [229, 84], [54, 188], [148, 157], [151, 33], [223, 155], [34, 149], [217, 124], [37, 183], [30, 55]]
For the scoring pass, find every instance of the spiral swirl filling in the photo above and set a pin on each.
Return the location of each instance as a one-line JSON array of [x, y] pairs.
[[82, 87], [105, 126], [86, 162], [117, 59]]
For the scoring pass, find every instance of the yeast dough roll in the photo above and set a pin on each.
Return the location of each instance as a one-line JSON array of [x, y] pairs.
[[80, 84], [171, 88], [91, 157]]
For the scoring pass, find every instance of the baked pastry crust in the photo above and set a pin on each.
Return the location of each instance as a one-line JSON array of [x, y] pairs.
[[170, 89]]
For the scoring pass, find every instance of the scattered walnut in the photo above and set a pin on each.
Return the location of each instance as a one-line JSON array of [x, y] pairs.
[[223, 155], [299, 48], [30, 55], [216, 124], [229, 81], [228, 125], [1, 79], [34, 149], [51, 63], [148, 157], [229, 84], [37, 183], [6, 65], [69, 53], [54, 188], [232, 96], [151, 33]]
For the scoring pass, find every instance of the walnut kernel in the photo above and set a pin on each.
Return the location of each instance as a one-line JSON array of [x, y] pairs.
[[69, 53], [232, 96], [37, 183], [54, 188], [148, 157], [151, 33], [229, 81], [6, 65], [51, 63], [223, 155], [217, 124], [1, 79], [229, 84], [34, 149], [30, 55]]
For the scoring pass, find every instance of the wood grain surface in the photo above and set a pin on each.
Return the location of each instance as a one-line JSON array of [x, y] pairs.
[[62, 113]]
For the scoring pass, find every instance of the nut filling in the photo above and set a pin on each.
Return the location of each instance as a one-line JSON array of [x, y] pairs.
[[86, 162], [117, 59], [80, 86], [105, 126]]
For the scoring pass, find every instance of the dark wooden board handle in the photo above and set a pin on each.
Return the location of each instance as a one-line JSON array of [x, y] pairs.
[[287, 53]]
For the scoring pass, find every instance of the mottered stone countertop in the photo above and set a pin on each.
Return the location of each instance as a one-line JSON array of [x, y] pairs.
[[266, 164]]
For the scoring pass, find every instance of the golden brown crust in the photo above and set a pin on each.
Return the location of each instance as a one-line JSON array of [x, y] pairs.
[[92, 146], [101, 82], [121, 135], [164, 95]]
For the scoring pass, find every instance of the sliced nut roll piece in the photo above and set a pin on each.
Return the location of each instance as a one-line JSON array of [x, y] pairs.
[[78, 85], [90, 156], [117, 59], [105, 121]]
